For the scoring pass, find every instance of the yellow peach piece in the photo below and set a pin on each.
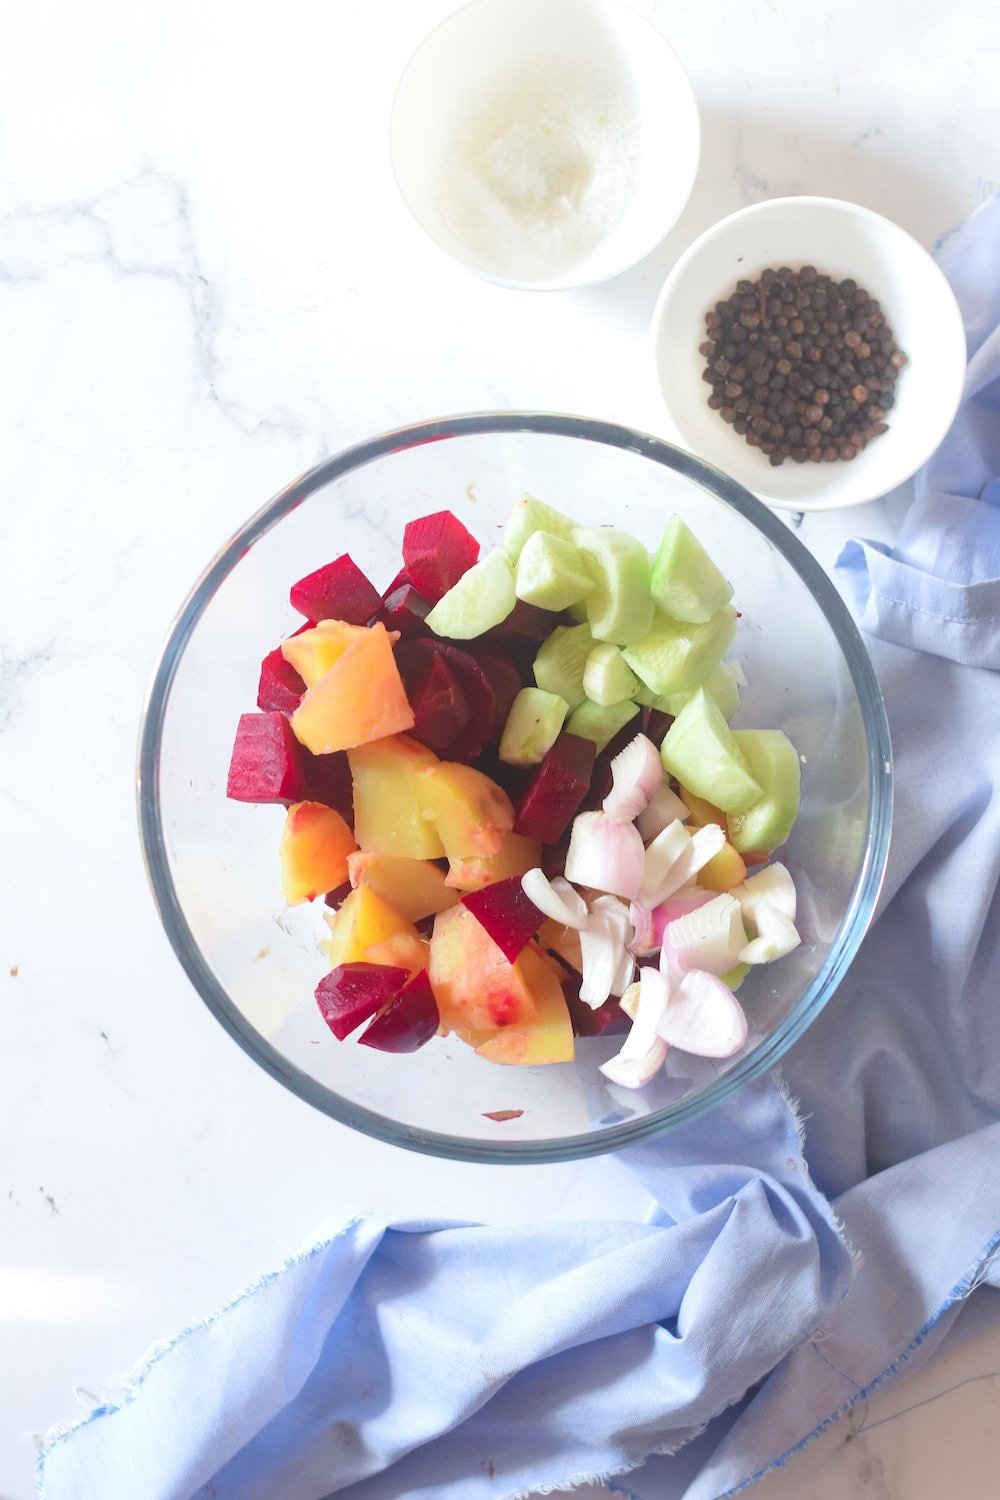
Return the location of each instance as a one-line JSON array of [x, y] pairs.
[[313, 851], [313, 652], [723, 871], [471, 813], [415, 887], [360, 922], [547, 1035], [516, 856], [360, 699], [390, 813]]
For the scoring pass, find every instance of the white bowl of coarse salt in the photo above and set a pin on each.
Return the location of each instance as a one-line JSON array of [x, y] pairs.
[[545, 144]]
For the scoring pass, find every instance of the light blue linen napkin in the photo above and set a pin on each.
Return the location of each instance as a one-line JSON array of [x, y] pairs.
[[687, 1353]]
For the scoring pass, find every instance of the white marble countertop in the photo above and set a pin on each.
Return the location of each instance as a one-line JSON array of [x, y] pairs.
[[207, 282]]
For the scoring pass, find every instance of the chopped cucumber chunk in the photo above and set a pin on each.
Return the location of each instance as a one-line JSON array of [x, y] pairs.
[[528, 516], [674, 657], [482, 598], [701, 750], [560, 662], [619, 606], [532, 726], [774, 762], [550, 572], [607, 677], [719, 684], [593, 721], [686, 584]]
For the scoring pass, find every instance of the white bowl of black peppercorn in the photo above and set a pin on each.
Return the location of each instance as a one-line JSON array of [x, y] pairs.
[[812, 350]]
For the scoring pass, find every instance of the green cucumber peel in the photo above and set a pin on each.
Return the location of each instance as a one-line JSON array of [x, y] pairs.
[[550, 572], [676, 657], [532, 727], [686, 584], [561, 660], [482, 598], [774, 763], [592, 721], [703, 753], [607, 677], [528, 516], [619, 605]]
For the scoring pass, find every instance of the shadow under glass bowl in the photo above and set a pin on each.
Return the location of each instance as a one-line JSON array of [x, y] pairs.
[[213, 864]]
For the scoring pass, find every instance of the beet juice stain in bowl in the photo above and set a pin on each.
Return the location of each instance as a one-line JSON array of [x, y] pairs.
[[214, 864]]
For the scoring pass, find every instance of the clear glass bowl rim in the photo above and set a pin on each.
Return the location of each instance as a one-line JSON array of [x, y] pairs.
[[863, 897]]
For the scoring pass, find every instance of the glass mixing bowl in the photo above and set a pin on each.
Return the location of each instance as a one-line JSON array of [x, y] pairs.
[[213, 863]]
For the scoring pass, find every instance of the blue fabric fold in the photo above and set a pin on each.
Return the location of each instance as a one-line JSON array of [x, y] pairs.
[[938, 588], [770, 1284]]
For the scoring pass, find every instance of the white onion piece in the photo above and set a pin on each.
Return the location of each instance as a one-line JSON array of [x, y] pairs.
[[644, 1050], [663, 875], [636, 772], [773, 884], [703, 1017], [677, 905], [623, 978], [662, 858], [665, 807], [642, 939], [572, 898], [711, 938], [602, 949], [605, 854], [551, 903], [776, 936]]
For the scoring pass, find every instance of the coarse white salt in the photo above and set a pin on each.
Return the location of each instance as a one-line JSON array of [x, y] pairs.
[[541, 166]]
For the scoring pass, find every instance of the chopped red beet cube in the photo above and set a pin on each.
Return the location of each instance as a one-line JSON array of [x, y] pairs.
[[351, 993], [440, 706], [405, 610], [437, 550], [509, 916], [414, 657], [267, 764], [328, 780], [601, 778], [657, 725], [408, 1021], [556, 790], [608, 1019], [528, 620], [506, 682], [337, 591], [280, 686]]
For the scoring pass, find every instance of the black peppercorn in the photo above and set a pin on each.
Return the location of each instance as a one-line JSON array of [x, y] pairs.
[[801, 365]]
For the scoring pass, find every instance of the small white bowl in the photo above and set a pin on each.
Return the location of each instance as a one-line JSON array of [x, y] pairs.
[[842, 240], [471, 53]]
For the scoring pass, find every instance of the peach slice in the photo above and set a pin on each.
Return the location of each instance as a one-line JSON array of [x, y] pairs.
[[313, 652], [723, 871], [315, 843], [360, 699], [471, 813], [390, 812], [476, 986], [363, 922], [415, 887], [544, 1037], [401, 951], [516, 856], [701, 810]]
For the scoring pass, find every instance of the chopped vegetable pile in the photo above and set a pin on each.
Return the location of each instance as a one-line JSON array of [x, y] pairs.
[[513, 782]]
